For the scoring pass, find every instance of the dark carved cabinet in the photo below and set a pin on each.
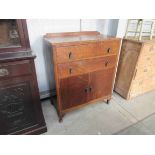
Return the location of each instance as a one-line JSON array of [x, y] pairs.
[[20, 107]]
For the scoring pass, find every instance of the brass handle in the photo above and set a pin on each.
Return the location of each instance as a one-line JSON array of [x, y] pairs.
[[4, 72], [109, 50], [70, 55], [70, 70], [106, 63]]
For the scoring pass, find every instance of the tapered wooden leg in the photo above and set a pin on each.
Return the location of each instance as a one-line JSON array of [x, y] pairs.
[[108, 101], [61, 117]]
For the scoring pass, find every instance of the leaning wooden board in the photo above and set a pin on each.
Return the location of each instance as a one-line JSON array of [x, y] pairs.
[[136, 68]]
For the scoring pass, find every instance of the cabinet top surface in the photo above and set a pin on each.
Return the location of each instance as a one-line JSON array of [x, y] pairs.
[[76, 37]]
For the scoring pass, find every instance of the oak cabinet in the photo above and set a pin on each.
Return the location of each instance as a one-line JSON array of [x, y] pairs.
[[84, 67]]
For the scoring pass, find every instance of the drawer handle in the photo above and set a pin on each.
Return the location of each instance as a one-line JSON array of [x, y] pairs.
[[109, 50], [106, 63], [90, 89], [70, 55], [70, 70], [86, 89], [4, 72]]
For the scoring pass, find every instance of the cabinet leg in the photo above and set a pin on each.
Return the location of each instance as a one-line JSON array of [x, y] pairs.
[[108, 101], [61, 117]]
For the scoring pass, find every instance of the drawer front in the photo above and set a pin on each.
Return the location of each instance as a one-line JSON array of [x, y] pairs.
[[12, 69], [70, 53], [147, 60], [148, 49], [109, 47], [81, 67]]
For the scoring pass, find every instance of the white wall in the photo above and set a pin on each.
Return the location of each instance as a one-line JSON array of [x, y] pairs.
[[39, 27], [122, 23]]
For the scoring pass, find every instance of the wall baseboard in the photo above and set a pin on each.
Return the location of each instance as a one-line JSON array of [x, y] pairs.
[[47, 94]]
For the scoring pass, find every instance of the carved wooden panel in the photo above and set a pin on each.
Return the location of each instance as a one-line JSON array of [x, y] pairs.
[[16, 110]]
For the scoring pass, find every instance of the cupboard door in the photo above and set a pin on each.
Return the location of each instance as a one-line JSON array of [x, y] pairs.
[[101, 83], [17, 105], [74, 90]]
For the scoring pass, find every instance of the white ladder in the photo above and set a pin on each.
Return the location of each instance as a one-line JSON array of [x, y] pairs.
[[140, 24]]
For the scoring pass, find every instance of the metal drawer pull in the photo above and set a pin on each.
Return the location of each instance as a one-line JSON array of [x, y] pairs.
[[106, 63], [70, 70], [70, 55], [4, 72], [90, 89], [109, 50], [86, 89]]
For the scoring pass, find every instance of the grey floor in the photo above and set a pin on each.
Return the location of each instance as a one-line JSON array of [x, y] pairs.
[[134, 117]]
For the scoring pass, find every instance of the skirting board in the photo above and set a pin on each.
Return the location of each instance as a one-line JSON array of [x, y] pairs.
[[47, 94]]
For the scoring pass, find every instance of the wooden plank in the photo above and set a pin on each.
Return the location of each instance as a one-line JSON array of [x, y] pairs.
[[126, 67]]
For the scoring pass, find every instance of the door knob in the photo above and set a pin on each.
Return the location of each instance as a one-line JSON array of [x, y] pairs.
[[90, 89], [86, 89]]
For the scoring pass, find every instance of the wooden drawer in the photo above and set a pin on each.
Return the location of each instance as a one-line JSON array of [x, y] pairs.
[[70, 53], [109, 47], [147, 60], [148, 49], [77, 52], [81, 67], [16, 68]]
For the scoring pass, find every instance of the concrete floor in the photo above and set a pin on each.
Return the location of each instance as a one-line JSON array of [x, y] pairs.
[[136, 116]]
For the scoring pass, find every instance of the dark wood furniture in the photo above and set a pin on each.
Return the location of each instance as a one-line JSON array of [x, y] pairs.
[[84, 65], [20, 107]]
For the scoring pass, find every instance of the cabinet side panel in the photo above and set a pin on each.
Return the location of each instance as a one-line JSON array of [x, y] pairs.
[[126, 67]]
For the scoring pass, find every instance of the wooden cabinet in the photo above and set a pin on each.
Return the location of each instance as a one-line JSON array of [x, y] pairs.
[[20, 107], [136, 69], [84, 67]]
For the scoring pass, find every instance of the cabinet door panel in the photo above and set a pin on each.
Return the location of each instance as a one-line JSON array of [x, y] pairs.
[[101, 83], [74, 90], [17, 111]]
